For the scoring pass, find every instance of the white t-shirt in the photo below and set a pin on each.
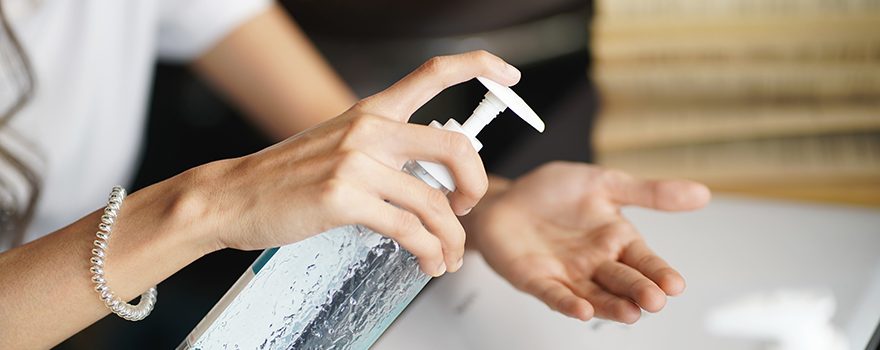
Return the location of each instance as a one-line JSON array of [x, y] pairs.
[[93, 61]]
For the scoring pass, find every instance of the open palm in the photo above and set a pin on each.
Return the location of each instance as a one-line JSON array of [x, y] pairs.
[[558, 234]]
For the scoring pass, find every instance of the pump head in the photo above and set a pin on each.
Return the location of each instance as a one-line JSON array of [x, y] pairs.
[[511, 100], [498, 99]]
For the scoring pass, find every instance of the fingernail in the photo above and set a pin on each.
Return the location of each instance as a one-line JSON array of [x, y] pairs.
[[513, 72], [441, 269], [459, 263], [467, 211]]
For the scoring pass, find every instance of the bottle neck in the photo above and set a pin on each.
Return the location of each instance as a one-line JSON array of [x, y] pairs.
[[486, 111], [416, 169]]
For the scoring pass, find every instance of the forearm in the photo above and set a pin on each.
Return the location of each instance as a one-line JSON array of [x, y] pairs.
[[45, 286], [497, 185], [271, 70]]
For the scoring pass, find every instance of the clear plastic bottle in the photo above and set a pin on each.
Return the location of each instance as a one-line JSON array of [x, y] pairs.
[[378, 290], [363, 289], [342, 288]]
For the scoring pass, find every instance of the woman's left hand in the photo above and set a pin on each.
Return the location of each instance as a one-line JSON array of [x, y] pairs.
[[558, 234]]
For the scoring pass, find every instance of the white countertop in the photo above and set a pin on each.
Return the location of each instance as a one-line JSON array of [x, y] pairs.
[[733, 248]]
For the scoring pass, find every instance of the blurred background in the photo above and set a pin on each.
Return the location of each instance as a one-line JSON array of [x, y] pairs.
[[768, 98], [774, 104]]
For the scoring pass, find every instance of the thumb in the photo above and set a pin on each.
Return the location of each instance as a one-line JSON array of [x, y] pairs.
[[668, 195]]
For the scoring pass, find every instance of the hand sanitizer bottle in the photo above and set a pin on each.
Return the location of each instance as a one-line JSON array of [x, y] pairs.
[[342, 288]]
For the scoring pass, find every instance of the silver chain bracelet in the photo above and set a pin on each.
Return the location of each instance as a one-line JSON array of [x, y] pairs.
[[121, 308]]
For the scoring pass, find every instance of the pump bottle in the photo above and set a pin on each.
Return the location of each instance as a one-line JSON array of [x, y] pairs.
[[342, 288]]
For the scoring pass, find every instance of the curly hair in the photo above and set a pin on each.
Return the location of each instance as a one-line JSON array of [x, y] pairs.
[[15, 213]]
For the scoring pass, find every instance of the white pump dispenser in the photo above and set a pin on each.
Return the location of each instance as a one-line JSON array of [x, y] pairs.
[[342, 288], [496, 101]]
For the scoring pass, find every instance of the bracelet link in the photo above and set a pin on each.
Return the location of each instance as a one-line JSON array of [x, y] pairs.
[[119, 307]]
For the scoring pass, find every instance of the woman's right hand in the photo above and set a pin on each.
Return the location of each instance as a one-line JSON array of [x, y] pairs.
[[348, 171]]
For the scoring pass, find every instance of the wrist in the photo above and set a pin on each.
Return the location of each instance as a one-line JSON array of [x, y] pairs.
[[472, 221], [157, 232], [183, 216], [497, 185]]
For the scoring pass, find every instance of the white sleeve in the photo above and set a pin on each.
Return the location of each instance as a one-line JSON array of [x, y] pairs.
[[187, 28]]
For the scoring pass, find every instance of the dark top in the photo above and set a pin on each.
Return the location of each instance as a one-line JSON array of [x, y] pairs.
[[416, 18]]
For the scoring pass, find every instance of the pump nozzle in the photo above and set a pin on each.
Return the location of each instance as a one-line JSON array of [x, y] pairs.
[[504, 97], [498, 99]]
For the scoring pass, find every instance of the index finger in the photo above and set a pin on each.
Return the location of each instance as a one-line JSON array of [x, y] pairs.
[[403, 98]]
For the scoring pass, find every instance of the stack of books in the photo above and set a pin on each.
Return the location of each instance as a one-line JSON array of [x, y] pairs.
[[766, 97]]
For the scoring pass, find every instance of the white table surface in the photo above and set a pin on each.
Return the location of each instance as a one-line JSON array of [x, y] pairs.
[[732, 248]]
